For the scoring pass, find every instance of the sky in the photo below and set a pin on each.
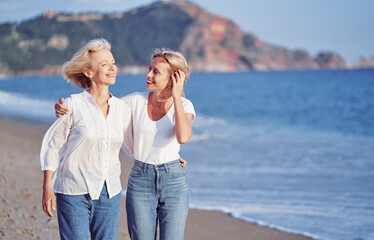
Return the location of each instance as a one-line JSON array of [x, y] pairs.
[[342, 26]]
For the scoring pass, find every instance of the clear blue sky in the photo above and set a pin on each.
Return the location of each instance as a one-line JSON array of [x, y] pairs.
[[342, 26]]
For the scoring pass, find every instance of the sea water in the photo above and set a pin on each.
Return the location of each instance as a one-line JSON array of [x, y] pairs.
[[288, 150]]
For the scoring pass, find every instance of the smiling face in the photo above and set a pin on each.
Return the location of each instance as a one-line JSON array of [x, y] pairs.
[[103, 69], [158, 75]]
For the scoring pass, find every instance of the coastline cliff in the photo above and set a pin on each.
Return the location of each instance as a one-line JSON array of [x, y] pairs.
[[39, 46]]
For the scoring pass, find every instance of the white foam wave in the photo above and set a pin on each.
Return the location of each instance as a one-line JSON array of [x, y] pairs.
[[206, 128], [203, 121], [17, 105], [205, 136]]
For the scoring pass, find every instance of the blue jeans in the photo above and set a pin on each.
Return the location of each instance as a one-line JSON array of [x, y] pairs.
[[157, 193], [78, 214]]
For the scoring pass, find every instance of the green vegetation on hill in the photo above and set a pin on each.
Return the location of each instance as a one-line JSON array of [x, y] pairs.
[[134, 36], [209, 42]]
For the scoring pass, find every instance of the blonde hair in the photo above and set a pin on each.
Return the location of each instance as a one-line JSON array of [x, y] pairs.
[[72, 70], [176, 62]]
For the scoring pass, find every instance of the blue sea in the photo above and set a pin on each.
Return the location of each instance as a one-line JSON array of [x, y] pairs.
[[292, 151]]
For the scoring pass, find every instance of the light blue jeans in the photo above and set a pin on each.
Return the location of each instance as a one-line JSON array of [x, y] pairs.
[[78, 214], [157, 193]]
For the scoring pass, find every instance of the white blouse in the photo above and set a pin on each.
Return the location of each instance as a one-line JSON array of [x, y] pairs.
[[82, 147], [155, 142]]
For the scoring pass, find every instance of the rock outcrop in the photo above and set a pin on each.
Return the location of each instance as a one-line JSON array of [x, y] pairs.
[[209, 42]]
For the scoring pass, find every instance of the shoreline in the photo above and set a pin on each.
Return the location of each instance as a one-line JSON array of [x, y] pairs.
[[21, 215]]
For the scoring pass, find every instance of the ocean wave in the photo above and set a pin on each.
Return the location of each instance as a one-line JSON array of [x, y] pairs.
[[203, 121], [17, 105], [205, 136]]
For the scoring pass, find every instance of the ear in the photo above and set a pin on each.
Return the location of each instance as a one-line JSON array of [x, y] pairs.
[[87, 72]]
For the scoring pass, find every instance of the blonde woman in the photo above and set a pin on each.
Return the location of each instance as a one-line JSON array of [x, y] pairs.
[[161, 120], [157, 188], [80, 151]]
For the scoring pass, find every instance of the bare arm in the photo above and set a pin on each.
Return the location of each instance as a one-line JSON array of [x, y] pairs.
[[183, 128], [49, 199]]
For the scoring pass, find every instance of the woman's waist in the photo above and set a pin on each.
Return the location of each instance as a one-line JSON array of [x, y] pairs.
[[156, 166], [156, 157]]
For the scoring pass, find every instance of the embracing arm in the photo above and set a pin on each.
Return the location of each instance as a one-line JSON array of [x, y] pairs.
[[128, 132], [60, 109]]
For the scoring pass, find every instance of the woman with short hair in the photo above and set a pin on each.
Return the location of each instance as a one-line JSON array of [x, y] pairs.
[[81, 149]]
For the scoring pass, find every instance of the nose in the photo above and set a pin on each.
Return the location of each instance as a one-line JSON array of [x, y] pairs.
[[113, 67], [148, 74]]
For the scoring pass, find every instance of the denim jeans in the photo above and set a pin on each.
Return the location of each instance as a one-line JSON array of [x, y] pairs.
[[157, 193], [78, 214]]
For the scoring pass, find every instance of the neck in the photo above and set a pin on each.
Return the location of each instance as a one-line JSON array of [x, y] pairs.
[[99, 93], [155, 97]]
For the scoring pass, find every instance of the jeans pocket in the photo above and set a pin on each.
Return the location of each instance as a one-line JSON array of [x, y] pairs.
[[136, 171], [176, 171]]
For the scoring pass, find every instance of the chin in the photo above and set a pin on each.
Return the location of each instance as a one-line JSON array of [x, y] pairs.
[[112, 82]]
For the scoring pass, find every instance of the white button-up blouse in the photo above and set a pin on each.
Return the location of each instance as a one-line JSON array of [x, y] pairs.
[[82, 147]]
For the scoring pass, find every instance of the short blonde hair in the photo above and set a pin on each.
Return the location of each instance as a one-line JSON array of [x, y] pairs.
[[176, 62], [72, 70]]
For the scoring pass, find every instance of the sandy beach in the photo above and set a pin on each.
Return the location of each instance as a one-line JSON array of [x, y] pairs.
[[21, 215]]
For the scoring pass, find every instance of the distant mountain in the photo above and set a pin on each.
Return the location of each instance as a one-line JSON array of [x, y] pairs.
[[209, 42]]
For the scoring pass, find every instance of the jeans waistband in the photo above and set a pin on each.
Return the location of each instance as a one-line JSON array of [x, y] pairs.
[[148, 166]]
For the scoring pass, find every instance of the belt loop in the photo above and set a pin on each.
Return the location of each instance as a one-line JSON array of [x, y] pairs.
[[166, 168], [144, 167]]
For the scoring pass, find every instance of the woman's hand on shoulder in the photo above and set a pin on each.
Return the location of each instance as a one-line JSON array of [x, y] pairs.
[[60, 109]]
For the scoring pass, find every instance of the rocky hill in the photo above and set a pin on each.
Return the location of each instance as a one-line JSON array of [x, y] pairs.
[[209, 42]]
